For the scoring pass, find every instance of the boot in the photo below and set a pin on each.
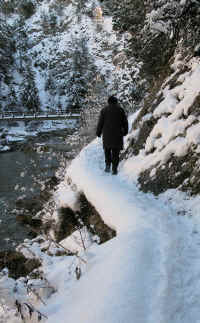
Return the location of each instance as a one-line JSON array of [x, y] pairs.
[[107, 169], [114, 171]]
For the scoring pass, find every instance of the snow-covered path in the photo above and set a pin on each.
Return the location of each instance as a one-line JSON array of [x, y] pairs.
[[142, 275], [114, 288]]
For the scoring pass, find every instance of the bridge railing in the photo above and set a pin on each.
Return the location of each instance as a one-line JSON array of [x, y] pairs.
[[13, 114]]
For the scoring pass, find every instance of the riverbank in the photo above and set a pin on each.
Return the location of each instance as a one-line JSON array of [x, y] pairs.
[[16, 134]]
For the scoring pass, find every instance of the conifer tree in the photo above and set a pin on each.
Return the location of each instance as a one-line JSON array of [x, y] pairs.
[[29, 92], [6, 49], [81, 71]]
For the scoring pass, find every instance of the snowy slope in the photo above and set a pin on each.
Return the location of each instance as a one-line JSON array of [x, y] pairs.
[[46, 67], [166, 136]]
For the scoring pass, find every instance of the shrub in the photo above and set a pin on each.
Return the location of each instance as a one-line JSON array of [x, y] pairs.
[[27, 9]]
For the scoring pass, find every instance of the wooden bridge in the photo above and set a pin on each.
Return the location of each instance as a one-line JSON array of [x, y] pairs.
[[40, 115]]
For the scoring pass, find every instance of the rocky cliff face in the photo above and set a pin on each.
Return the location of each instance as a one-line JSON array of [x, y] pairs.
[[165, 135], [158, 28]]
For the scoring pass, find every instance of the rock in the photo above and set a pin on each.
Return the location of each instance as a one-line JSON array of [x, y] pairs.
[[69, 221], [27, 219], [33, 205], [119, 59], [32, 264], [52, 182], [17, 264], [92, 219], [197, 51], [66, 224]]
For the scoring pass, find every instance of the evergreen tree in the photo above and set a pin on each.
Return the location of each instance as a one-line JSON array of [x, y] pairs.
[[21, 39], [7, 48], [29, 92], [82, 69], [128, 15]]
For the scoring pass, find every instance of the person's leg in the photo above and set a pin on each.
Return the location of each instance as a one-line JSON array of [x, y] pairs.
[[115, 160], [107, 152]]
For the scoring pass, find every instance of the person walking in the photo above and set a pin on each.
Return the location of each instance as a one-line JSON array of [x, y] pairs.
[[113, 125]]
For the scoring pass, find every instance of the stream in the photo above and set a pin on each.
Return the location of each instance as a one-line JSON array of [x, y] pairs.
[[22, 173]]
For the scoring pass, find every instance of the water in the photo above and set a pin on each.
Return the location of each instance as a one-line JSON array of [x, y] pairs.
[[21, 174]]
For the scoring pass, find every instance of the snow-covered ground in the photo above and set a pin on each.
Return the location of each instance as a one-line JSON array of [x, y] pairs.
[[150, 272]]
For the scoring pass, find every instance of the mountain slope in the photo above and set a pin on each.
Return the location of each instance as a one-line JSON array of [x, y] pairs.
[[62, 56]]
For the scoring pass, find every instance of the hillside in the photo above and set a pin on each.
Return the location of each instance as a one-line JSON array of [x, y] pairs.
[[60, 55]]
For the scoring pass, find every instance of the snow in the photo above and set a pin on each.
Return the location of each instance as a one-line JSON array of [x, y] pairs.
[[167, 105], [155, 23], [74, 241], [68, 198], [183, 2], [175, 130], [149, 271], [4, 148], [20, 132], [185, 92]]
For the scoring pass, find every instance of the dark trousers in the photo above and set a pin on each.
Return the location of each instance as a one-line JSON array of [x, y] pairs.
[[112, 157]]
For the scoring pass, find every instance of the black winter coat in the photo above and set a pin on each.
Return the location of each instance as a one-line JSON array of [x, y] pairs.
[[113, 124]]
